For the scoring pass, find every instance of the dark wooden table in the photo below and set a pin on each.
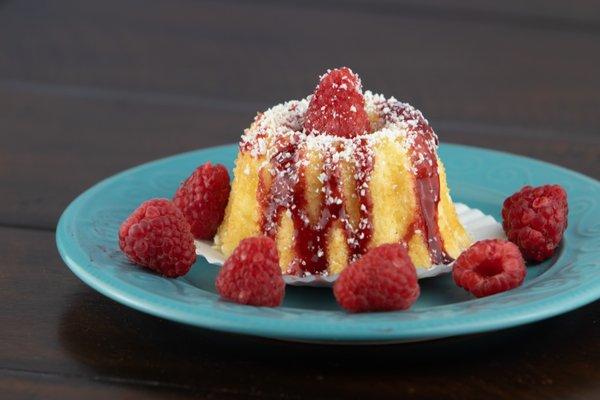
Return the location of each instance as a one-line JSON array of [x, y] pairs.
[[90, 88]]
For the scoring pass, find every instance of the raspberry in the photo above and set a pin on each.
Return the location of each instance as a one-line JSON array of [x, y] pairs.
[[158, 237], [251, 275], [203, 197], [384, 279], [337, 107], [535, 220], [489, 267]]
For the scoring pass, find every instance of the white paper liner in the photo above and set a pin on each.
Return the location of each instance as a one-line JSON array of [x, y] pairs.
[[479, 225]]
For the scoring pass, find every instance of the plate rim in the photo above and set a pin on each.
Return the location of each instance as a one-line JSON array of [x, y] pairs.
[[153, 304]]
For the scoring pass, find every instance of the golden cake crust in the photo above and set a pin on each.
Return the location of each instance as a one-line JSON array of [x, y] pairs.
[[326, 199]]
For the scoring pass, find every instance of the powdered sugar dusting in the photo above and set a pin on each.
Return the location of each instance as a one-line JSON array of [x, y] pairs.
[[391, 118]]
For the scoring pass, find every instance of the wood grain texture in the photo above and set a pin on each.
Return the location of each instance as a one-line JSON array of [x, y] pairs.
[[579, 16], [66, 333], [39, 385], [268, 52]]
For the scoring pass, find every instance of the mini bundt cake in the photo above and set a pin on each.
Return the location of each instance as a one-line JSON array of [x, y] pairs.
[[338, 173]]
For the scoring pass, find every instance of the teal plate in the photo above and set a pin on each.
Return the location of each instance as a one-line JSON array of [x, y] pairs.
[[87, 241]]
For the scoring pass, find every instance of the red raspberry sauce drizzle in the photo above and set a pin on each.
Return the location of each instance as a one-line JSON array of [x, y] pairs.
[[427, 183], [288, 187], [287, 192], [364, 167]]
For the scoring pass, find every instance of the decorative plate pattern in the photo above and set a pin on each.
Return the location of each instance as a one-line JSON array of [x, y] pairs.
[[479, 226], [87, 241]]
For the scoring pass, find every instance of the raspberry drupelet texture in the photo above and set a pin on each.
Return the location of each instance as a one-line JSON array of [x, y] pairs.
[[535, 220], [251, 275], [338, 107], [157, 236], [489, 267], [384, 279], [203, 197]]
